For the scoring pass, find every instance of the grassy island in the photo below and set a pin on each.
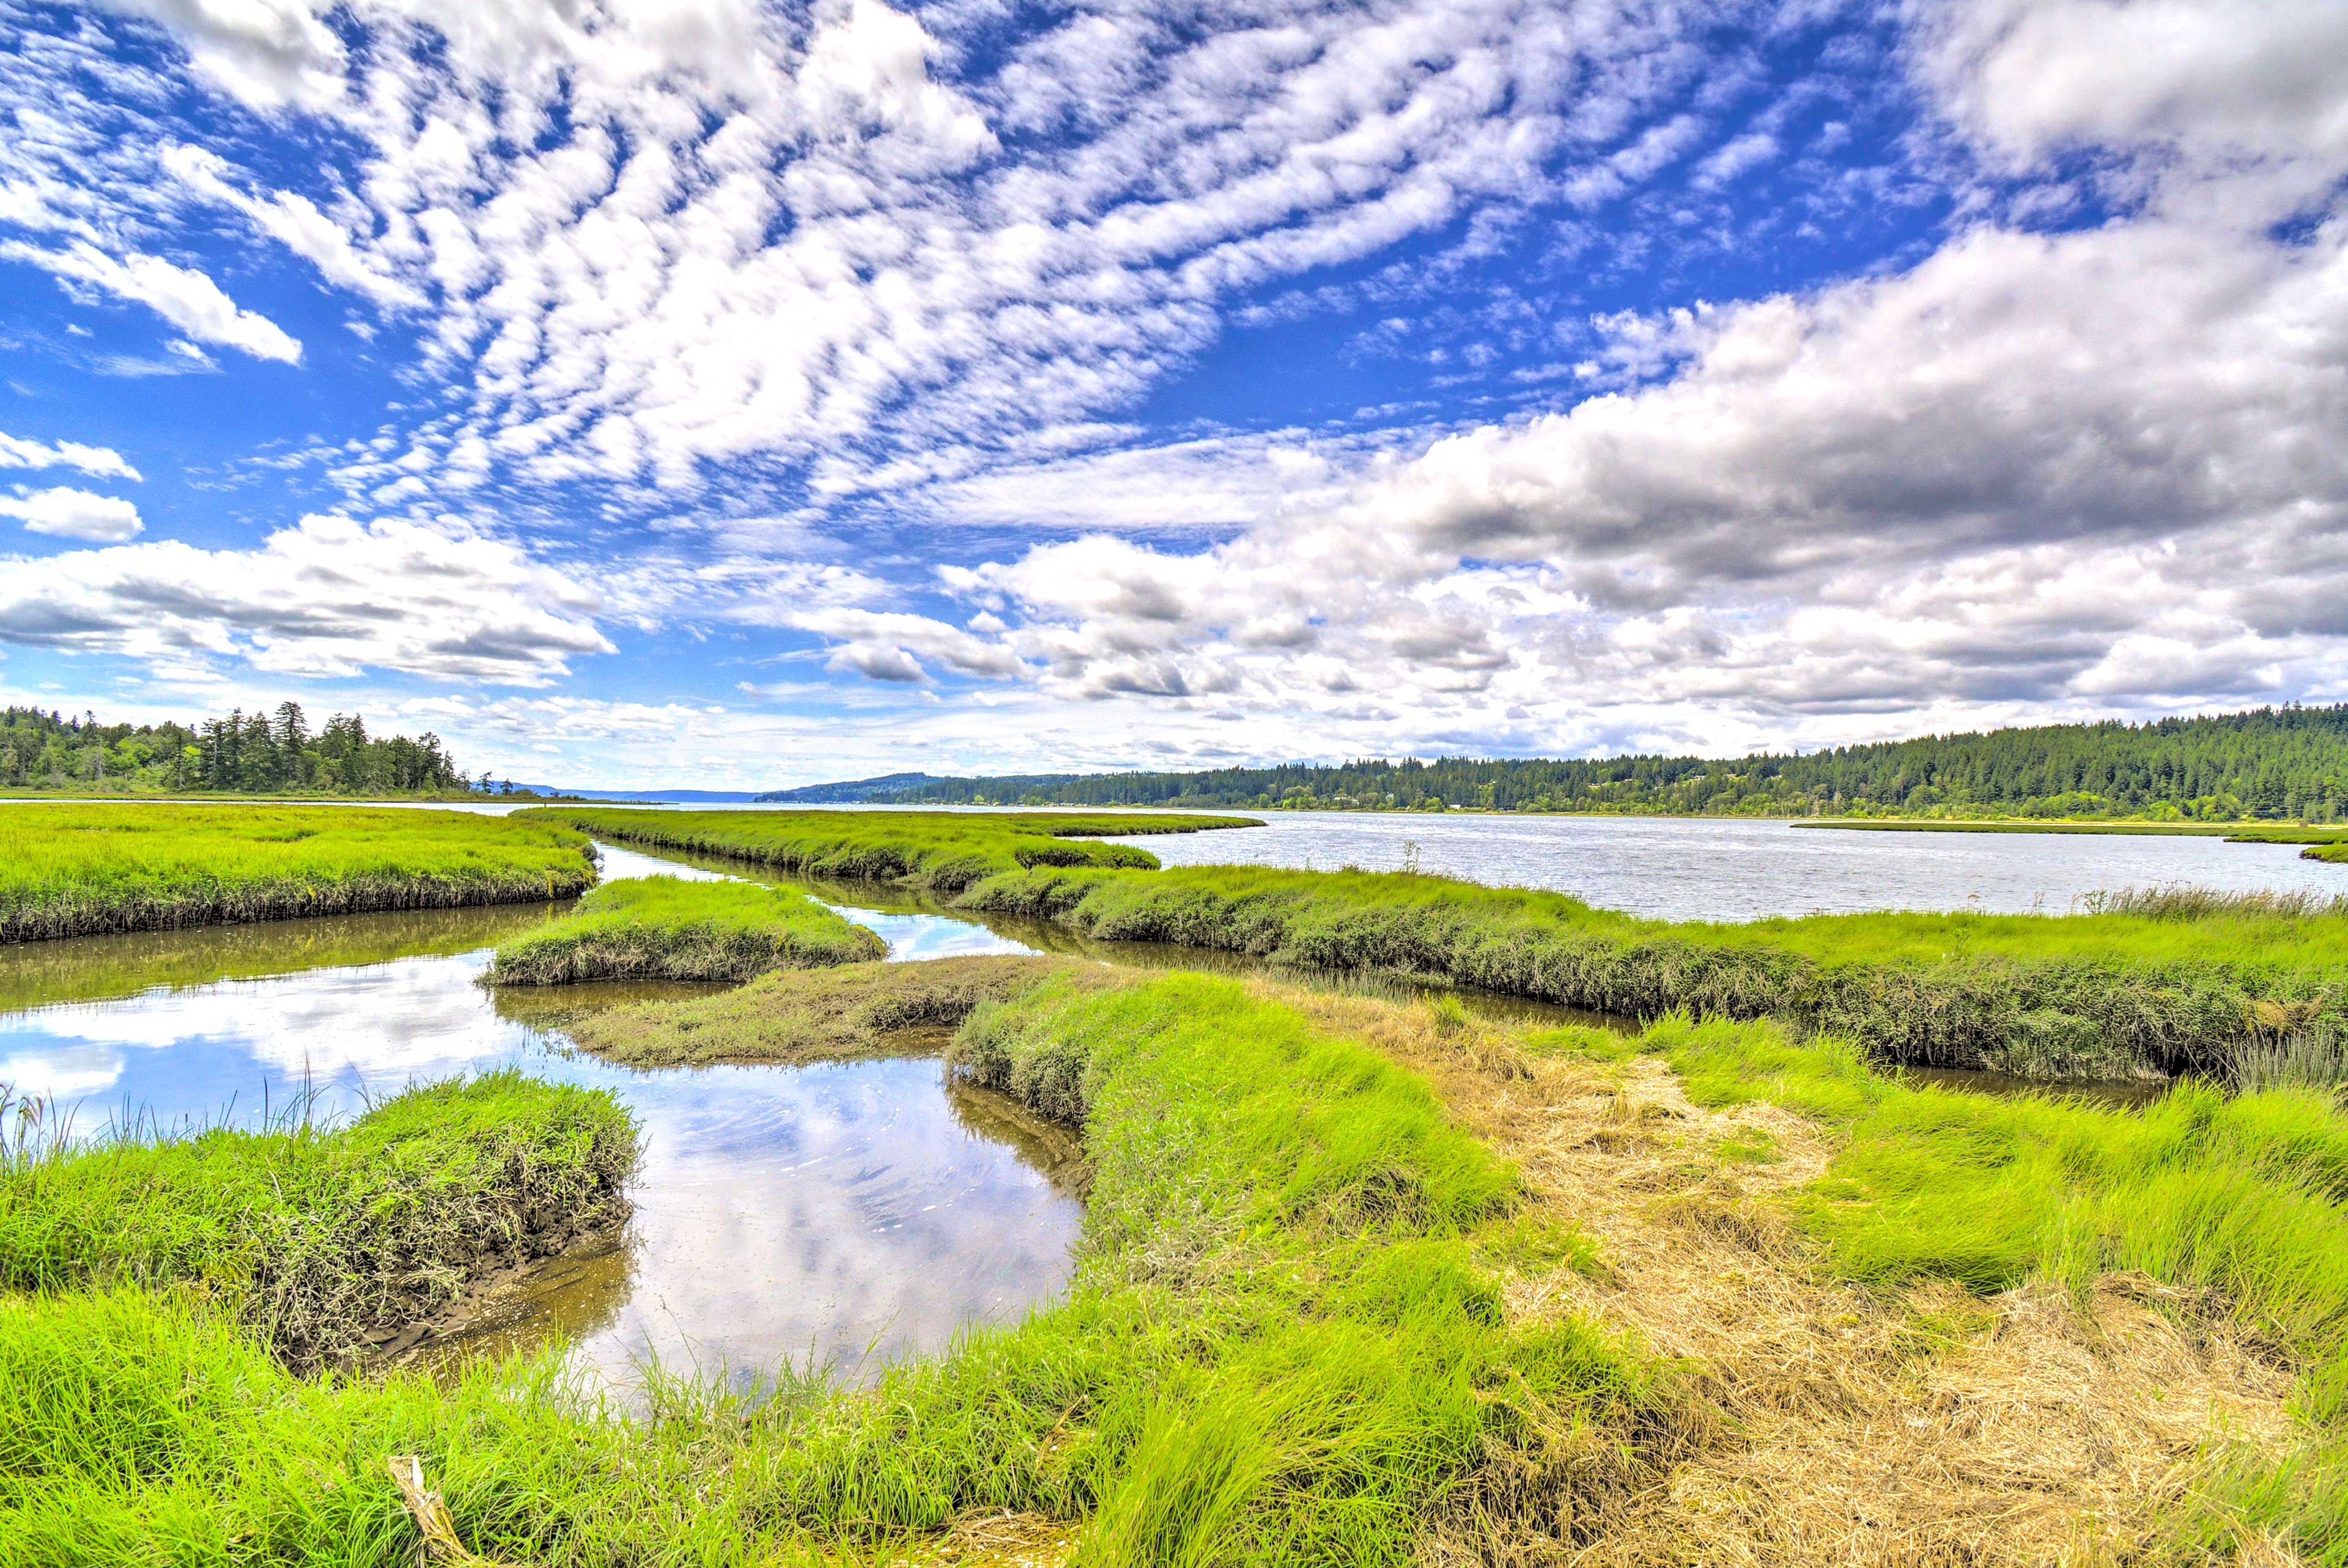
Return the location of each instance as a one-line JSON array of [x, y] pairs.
[[835, 1015], [945, 851], [82, 870], [668, 928]]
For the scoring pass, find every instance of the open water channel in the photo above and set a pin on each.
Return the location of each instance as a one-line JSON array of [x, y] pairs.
[[841, 1216], [838, 1216]]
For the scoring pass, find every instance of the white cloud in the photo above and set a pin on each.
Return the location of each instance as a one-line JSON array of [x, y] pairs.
[[2215, 77], [327, 598], [2071, 471], [98, 462], [657, 236], [188, 299], [74, 515]]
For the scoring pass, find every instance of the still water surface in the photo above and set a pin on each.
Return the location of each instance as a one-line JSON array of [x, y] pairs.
[[839, 1216], [1677, 868]]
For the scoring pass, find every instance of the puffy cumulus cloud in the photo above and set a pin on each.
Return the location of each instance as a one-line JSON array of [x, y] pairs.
[[894, 646], [74, 514], [2214, 78], [2036, 471], [98, 462], [327, 598], [182, 296]]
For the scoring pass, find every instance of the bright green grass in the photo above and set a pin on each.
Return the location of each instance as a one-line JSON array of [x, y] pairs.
[[2041, 996], [77, 870], [323, 1238], [946, 850], [1278, 1348], [667, 928], [2237, 1195]]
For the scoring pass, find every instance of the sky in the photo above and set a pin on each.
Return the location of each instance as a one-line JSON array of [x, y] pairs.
[[704, 392]]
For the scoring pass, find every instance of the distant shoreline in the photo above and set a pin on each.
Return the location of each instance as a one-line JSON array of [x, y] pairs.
[[2249, 832]]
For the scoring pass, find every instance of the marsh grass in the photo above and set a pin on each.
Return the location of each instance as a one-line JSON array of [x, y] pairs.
[[830, 1015], [81, 870], [2112, 995], [946, 851], [2211, 1206], [667, 928], [2290, 1061], [326, 1240], [1278, 1348], [2184, 901]]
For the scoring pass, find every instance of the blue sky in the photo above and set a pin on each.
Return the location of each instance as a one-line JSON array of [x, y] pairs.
[[698, 391]]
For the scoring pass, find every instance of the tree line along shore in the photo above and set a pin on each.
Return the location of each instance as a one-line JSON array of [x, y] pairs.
[[2268, 764]]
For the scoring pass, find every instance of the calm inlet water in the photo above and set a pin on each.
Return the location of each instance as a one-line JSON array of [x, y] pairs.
[[1681, 869], [843, 1216]]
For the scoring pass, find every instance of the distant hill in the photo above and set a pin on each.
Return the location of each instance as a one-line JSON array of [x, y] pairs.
[[853, 791], [2288, 763]]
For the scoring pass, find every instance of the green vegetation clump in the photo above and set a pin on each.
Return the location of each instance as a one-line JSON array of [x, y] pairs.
[[667, 928], [833, 1015], [81, 870], [1278, 1348], [326, 1241], [2272, 763], [946, 851], [2112, 995]]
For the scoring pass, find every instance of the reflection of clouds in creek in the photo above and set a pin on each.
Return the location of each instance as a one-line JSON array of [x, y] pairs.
[[914, 937], [348, 1033], [875, 1221], [843, 1214]]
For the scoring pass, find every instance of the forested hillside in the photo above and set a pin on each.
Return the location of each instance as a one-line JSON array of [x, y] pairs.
[[243, 752], [2285, 763]]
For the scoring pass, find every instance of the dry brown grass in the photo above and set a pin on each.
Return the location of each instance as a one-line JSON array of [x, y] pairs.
[[1925, 1427], [1003, 1540]]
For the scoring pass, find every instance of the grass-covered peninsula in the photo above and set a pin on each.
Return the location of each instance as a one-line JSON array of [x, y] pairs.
[[68, 870], [945, 851], [2173, 984], [322, 1243], [668, 928]]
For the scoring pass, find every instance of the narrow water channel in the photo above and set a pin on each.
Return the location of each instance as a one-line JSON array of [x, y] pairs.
[[833, 1217]]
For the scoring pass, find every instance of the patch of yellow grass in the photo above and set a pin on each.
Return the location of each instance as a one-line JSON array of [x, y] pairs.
[[1924, 1426]]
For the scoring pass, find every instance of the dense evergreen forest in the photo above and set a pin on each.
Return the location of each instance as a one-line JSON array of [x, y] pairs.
[[2288, 763], [255, 753]]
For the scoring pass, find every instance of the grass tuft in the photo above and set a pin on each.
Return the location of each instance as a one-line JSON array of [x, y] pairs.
[[668, 928], [329, 1241]]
